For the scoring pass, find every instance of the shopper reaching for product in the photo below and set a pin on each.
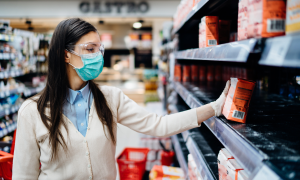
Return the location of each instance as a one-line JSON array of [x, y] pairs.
[[69, 130]]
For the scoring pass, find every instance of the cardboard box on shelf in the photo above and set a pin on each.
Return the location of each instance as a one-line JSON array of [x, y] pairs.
[[238, 100], [223, 158], [243, 20], [164, 172], [195, 74], [233, 168], [177, 73], [266, 18], [224, 31], [293, 16], [186, 73], [210, 31]]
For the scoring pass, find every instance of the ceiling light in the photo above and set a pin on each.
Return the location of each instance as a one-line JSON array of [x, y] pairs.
[[101, 22], [137, 25], [141, 21], [28, 22]]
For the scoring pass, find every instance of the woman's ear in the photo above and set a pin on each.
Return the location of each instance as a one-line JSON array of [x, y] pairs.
[[67, 56]]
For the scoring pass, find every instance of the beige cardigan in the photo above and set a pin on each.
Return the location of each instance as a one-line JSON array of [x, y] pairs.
[[93, 156]]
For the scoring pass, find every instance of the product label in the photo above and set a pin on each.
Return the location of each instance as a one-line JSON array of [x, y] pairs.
[[293, 16]]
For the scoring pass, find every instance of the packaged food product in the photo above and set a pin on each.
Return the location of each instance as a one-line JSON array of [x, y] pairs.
[[199, 37], [266, 18], [202, 73], [186, 73], [195, 74], [223, 158], [242, 20], [238, 100], [232, 168], [202, 34], [166, 172], [177, 72], [292, 16], [192, 168], [218, 73], [210, 33], [210, 76], [224, 31]]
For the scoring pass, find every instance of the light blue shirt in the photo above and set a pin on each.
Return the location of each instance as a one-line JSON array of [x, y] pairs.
[[77, 108]]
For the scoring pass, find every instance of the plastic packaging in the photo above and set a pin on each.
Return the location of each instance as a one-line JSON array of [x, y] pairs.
[[162, 172], [238, 100], [266, 18], [223, 158], [232, 169]]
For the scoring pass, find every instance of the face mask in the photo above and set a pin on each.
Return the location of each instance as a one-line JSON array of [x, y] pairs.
[[92, 66]]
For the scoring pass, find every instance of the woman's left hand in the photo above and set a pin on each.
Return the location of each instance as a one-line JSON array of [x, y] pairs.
[[219, 103]]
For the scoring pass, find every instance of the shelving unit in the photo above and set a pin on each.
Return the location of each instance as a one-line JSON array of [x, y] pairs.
[[267, 145]]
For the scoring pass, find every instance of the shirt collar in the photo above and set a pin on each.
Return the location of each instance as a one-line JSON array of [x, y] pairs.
[[85, 91]]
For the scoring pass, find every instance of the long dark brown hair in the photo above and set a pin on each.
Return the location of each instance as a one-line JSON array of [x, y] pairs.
[[54, 95]]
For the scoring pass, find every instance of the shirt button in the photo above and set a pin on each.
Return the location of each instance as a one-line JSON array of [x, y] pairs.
[[88, 128], [90, 177], [84, 141], [79, 105], [89, 166], [82, 124], [78, 93], [87, 153]]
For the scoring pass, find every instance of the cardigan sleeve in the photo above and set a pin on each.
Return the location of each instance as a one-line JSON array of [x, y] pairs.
[[26, 155], [138, 119]]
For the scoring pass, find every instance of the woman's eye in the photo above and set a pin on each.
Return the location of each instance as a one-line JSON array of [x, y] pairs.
[[90, 50]]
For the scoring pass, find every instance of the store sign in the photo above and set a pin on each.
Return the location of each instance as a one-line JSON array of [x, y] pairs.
[[107, 7]]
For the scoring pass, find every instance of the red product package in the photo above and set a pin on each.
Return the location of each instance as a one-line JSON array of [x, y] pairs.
[[243, 20], [238, 99], [210, 73], [209, 31], [186, 73], [266, 18], [195, 74], [202, 73], [177, 73]]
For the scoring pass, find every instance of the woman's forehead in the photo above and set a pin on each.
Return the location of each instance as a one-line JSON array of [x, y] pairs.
[[91, 37]]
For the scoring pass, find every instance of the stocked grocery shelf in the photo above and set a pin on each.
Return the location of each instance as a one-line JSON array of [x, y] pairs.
[[29, 91], [282, 52], [7, 56], [8, 129], [10, 110], [5, 37], [231, 52], [11, 73], [269, 134], [4, 94]]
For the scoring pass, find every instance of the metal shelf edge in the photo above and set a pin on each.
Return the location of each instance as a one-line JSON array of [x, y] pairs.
[[179, 155]]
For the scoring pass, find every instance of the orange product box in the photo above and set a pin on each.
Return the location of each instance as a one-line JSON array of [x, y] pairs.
[[201, 34], [292, 16], [224, 31], [218, 73], [211, 30], [266, 18], [177, 73], [210, 76], [233, 168], [242, 20], [238, 100], [202, 73], [195, 74], [186, 73], [166, 172], [223, 158]]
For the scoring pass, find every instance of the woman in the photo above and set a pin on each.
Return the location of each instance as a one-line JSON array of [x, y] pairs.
[[69, 130]]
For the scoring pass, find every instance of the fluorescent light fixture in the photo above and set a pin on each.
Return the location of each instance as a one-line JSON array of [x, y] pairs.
[[137, 25]]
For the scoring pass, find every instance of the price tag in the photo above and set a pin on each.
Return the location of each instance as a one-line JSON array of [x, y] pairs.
[[6, 111], [1, 56], [5, 55], [278, 50]]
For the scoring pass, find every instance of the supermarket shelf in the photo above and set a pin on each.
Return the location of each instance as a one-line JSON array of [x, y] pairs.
[[4, 94], [270, 134], [249, 156], [230, 52], [10, 110], [190, 15], [11, 73], [7, 56], [282, 52], [9, 129], [29, 91], [177, 143], [4, 37]]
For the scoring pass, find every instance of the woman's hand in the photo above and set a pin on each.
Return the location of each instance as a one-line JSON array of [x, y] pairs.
[[219, 103], [214, 108]]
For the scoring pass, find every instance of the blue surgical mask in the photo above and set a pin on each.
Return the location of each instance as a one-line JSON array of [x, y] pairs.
[[92, 66]]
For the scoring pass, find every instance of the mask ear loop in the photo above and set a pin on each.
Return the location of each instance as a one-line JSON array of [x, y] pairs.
[[73, 52]]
